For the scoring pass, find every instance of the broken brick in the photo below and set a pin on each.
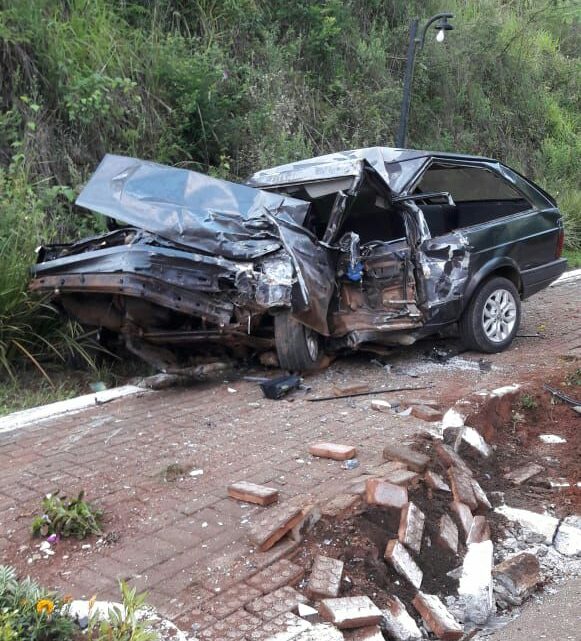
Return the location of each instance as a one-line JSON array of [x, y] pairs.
[[436, 617], [340, 505], [426, 413], [411, 527], [450, 458], [275, 524], [285, 627], [479, 531], [414, 460], [325, 579], [516, 578], [436, 482], [353, 388], [475, 585], [481, 498], [448, 534], [275, 576], [379, 492], [253, 493], [524, 473], [370, 633], [385, 468], [380, 406], [462, 489], [403, 563], [401, 477], [398, 622], [272, 605], [319, 632], [334, 451], [464, 514], [350, 612]]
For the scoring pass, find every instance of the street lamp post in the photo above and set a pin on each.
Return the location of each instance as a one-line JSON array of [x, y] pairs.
[[414, 43]]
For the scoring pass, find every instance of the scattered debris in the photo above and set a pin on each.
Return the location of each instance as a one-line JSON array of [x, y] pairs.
[[516, 578], [476, 582], [543, 524], [350, 612], [448, 534], [377, 391], [411, 527], [379, 492], [275, 524], [524, 473], [403, 563], [436, 617], [277, 388], [426, 413], [380, 406], [552, 439], [398, 622], [567, 540], [414, 460], [562, 396], [353, 388], [253, 493], [325, 579], [436, 482], [334, 451]]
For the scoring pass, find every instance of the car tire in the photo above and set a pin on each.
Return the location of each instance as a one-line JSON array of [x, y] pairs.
[[298, 347], [492, 318]]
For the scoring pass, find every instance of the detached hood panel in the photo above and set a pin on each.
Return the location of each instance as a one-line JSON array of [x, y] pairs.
[[207, 214]]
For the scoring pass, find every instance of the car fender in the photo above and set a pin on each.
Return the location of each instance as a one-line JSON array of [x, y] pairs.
[[503, 264]]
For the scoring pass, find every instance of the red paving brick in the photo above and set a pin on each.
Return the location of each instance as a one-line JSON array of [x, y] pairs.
[[117, 452]]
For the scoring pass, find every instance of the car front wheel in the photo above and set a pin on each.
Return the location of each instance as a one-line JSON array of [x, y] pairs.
[[298, 347], [491, 320]]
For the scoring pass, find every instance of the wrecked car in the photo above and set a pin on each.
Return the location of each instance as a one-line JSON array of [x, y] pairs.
[[355, 250]]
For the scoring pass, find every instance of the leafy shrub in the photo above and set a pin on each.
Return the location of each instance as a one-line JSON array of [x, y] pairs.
[[67, 518], [126, 623], [28, 612]]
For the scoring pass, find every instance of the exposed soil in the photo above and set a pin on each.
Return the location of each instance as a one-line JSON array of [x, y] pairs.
[[360, 539]]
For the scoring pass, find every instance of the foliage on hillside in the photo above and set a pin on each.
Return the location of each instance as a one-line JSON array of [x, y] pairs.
[[230, 86]]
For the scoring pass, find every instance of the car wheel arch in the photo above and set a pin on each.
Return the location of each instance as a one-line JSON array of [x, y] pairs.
[[505, 267]]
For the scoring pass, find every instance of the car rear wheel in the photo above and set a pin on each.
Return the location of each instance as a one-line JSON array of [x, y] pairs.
[[491, 320], [298, 347]]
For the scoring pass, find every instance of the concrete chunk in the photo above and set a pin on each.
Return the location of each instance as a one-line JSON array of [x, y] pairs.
[[467, 438], [411, 527], [436, 617], [462, 489], [403, 563], [448, 534], [398, 623], [380, 406], [325, 579], [414, 460], [524, 473], [543, 524], [568, 538], [350, 612], [253, 493], [335, 451], [436, 482], [464, 514], [378, 492], [476, 582], [516, 578]]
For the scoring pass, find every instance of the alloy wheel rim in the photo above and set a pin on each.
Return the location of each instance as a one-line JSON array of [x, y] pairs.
[[312, 344], [499, 315]]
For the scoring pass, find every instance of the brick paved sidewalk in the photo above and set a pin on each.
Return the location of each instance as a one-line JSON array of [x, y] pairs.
[[185, 541]]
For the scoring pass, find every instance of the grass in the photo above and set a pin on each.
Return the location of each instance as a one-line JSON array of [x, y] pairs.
[[574, 258]]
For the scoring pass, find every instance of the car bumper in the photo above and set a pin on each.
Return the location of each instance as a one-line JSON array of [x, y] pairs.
[[533, 280]]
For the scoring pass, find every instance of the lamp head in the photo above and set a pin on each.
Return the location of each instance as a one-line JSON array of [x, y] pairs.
[[441, 27]]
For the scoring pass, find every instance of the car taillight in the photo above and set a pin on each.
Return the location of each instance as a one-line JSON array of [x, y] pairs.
[[560, 242]]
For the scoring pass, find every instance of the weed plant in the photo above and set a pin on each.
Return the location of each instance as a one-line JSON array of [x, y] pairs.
[[67, 518]]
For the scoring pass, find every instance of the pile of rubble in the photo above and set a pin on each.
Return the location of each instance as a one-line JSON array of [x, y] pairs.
[[441, 509]]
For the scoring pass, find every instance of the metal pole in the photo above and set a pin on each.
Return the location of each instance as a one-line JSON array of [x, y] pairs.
[[407, 85]]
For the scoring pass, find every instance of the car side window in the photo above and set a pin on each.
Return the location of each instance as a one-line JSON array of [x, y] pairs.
[[480, 195]]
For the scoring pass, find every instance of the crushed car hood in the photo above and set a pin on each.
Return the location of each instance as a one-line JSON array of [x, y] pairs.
[[209, 215]]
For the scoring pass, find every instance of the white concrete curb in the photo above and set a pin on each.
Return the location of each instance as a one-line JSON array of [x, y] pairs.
[[567, 277], [20, 419]]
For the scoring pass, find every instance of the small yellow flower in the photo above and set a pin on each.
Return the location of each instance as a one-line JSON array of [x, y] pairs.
[[45, 605]]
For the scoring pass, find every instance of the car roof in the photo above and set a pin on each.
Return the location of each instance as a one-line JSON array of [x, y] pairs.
[[389, 162]]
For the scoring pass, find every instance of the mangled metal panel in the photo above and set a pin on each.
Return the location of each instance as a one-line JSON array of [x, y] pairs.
[[206, 214], [396, 167], [220, 219]]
